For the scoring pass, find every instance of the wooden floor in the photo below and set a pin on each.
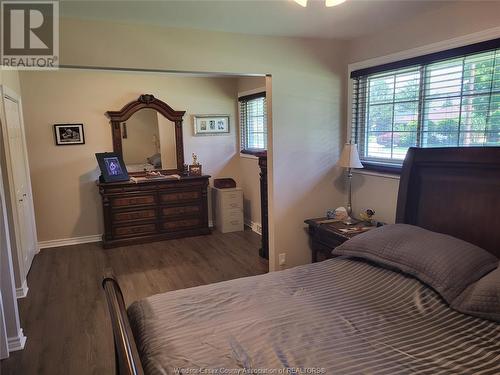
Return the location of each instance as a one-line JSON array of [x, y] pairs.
[[64, 315]]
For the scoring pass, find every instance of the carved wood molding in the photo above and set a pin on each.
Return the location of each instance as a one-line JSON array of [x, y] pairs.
[[145, 101]]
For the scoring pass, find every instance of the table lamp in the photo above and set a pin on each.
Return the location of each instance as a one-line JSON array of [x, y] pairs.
[[349, 159]]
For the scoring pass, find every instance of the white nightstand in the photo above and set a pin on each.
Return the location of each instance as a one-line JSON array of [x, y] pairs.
[[228, 205]]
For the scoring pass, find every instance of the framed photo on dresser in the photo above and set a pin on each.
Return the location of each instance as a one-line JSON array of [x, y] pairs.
[[112, 167]]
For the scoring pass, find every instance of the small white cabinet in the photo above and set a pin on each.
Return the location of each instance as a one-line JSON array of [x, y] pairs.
[[228, 210]]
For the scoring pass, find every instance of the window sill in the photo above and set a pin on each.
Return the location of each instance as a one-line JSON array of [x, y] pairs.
[[254, 152], [365, 172], [248, 156], [387, 168]]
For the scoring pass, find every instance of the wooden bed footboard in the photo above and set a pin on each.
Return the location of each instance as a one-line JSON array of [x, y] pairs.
[[127, 357]]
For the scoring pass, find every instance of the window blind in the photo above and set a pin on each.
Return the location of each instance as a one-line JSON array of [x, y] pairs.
[[445, 103], [253, 122]]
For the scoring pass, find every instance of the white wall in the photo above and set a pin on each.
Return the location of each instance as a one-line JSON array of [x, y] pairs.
[[67, 202], [453, 20], [308, 85]]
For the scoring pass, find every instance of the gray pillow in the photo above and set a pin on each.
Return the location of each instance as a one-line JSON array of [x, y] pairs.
[[155, 160], [447, 264], [482, 298]]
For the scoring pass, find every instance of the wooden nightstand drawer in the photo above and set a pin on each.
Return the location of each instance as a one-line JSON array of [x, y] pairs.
[[328, 239], [324, 237]]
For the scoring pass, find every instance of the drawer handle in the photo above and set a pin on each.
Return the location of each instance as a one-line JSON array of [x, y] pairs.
[[233, 205]]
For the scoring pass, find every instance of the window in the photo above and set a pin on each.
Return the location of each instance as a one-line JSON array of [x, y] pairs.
[[439, 102], [253, 122]]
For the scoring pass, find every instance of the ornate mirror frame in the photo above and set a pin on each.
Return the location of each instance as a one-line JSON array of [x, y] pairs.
[[148, 101]]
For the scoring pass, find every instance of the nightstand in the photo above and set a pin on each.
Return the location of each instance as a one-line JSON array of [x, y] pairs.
[[324, 237]]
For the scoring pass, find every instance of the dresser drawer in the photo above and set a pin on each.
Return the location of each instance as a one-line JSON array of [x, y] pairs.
[[121, 216], [134, 230], [231, 199], [232, 214], [180, 196], [133, 200], [181, 210], [231, 225], [173, 225]]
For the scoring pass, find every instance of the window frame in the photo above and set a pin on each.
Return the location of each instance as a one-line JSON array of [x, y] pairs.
[[440, 50], [245, 151]]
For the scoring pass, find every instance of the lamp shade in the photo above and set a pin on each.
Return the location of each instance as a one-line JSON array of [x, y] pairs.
[[350, 157]]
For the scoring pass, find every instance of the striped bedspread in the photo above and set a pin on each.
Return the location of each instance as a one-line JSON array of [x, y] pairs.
[[340, 316]]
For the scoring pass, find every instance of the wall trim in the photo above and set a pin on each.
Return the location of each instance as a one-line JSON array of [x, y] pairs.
[[69, 241], [17, 342], [22, 291], [78, 240], [256, 227], [460, 41]]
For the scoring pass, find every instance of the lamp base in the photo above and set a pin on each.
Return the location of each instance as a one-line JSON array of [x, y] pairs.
[[350, 221]]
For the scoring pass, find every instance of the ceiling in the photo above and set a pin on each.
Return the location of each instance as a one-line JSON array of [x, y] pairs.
[[349, 20]]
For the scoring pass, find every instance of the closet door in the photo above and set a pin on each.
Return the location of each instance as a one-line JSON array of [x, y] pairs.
[[19, 182]]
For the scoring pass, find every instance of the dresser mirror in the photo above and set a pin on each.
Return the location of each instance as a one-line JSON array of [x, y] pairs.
[[147, 133], [148, 142]]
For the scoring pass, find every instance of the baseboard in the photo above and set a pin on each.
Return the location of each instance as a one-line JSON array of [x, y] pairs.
[[23, 290], [256, 227], [69, 241], [16, 343], [79, 240]]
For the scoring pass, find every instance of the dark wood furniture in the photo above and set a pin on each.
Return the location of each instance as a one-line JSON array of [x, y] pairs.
[[467, 180], [455, 191], [264, 218], [264, 250], [324, 237], [127, 357], [154, 210], [143, 102]]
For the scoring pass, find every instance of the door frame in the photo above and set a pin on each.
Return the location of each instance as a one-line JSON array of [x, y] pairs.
[[20, 267], [11, 334]]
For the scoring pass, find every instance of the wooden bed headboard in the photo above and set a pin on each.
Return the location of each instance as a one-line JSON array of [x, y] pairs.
[[455, 191]]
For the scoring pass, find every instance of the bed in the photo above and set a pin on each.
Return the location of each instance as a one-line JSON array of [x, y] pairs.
[[346, 315]]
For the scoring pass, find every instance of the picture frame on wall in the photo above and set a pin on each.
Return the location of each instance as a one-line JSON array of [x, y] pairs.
[[211, 124], [69, 134]]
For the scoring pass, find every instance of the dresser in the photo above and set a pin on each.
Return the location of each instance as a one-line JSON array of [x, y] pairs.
[[154, 210], [228, 205], [264, 250]]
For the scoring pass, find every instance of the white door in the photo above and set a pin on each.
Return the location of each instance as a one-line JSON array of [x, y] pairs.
[[20, 180]]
